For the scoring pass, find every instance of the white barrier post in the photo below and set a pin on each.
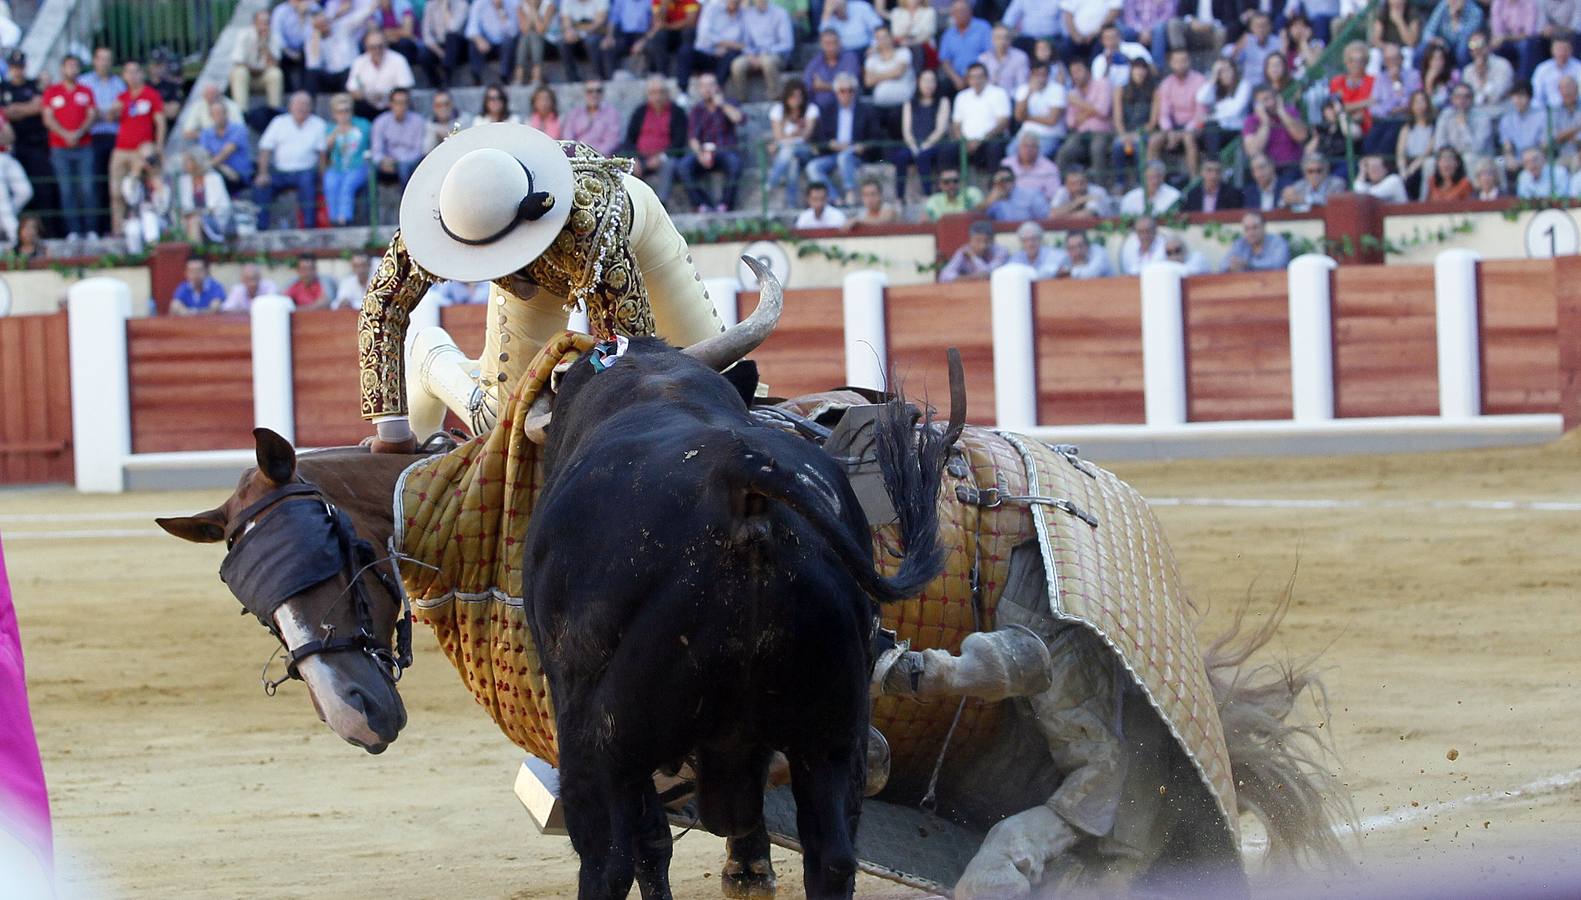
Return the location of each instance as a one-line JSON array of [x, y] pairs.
[[1459, 344], [1311, 339], [866, 344], [723, 292], [101, 406], [1163, 343], [274, 397], [1015, 375]]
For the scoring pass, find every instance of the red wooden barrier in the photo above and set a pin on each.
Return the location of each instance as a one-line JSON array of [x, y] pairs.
[[1237, 346], [806, 353], [1520, 336], [1089, 351], [35, 407], [921, 322], [467, 325], [191, 383], [1385, 341], [324, 379]]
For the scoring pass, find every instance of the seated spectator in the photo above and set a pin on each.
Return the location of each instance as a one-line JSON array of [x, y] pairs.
[[1353, 86], [445, 121], [1113, 61], [1413, 155], [1560, 64], [1397, 23], [444, 41], [721, 37], [711, 141], [229, 146], [1034, 20], [978, 259], [1135, 116], [671, 38], [1225, 96], [1176, 251], [249, 287], [1485, 183], [951, 198], [770, 41], [1539, 179], [199, 116], [1195, 32], [627, 39], [595, 123], [1564, 121], [1008, 67], [398, 22], [1153, 196], [791, 123], [1143, 245], [1337, 136], [1080, 197], [1039, 105], [873, 209], [819, 214], [375, 75], [29, 241], [1316, 184], [1392, 88], [1522, 127], [1089, 122], [141, 113], [915, 23], [1251, 51], [1181, 113], [582, 27], [1375, 179], [981, 118], [1449, 181], [1470, 133], [253, 65], [202, 201], [534, 19], [1438, 72], [1034, 253], [1081, 261], [843, 134], [854, 20], [354, 284], [544, 111], [345, 161], [144, 196], [16, 191], [492, 32], [1265, 187], [1256, 250], [1211, 193], [332, 49], [290, 25], [288, 160], [496, 107], [1454, 22], [964, 41], [197, 293], [888, 72], [1007, 201], [819, 73], [1273, 128], [399, 139], [458, 293], [1489, 75], [310, 290], [1033, 171], [655, 130], [924, 125], [1083, 20]]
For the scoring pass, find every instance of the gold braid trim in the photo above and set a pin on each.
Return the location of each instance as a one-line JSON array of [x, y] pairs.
[[590, 262], [395, 288]]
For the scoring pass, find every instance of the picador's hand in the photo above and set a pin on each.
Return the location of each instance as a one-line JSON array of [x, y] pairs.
[[379, 445]]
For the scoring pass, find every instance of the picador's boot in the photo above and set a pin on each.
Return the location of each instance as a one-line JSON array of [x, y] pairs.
[[442, 378], [992, 665]]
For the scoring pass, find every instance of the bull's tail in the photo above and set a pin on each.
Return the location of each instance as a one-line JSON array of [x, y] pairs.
[[1279, 768]]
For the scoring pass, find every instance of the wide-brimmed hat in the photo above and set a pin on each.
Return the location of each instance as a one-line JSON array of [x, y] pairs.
[[486, 202]]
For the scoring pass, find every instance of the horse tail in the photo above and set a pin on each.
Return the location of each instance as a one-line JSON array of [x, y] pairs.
[[1279, 768]]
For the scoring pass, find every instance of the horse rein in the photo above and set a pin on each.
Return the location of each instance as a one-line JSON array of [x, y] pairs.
[[287, 578]]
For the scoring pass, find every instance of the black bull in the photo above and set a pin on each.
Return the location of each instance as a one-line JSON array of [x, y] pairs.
[[702, 585]]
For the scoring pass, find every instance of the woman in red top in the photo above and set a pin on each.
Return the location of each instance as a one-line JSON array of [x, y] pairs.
[[1449, 181], [141, 113], [1354, 87]]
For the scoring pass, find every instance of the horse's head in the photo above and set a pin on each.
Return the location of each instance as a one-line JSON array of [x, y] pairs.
[[295, 561]]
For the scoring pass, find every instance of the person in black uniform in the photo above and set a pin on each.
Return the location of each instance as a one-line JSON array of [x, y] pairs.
[[161, 62], [23, 105]]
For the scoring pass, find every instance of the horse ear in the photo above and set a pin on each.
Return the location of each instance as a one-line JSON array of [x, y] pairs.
[[276, 456], [203, 528]]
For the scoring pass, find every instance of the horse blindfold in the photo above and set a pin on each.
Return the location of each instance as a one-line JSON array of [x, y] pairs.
[[292, 548]]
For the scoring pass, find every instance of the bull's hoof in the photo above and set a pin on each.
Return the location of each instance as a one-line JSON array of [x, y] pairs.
[[753, 882]]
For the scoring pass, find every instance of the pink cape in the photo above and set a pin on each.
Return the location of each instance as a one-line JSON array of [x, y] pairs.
[[24, 801]]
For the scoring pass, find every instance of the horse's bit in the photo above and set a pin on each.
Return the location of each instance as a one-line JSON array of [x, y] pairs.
[[279, 547]]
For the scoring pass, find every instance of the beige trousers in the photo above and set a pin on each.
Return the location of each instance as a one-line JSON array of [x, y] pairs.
[[271, 81]]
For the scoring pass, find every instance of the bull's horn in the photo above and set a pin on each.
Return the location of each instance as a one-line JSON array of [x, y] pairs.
[[724, 350]]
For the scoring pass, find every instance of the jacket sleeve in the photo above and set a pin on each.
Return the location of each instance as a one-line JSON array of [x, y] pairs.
[[394, 290], [682, 311]]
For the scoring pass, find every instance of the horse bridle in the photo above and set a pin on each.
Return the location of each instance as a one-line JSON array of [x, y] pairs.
[[263, 580]]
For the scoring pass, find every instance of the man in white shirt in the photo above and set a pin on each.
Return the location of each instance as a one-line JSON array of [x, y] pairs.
[[374, 75], [333, 43], [1545, 80], [1044, 260], [1113, 60], [197, 117], [981, 118], [1082, 259], [1080, 197], [352, 285], [1153, 196], [15, 191], [253, 64], [1176, 251], [288, 157], [1376, 179], [1083, 20], [1143, 245], [1040, 107], [819, 214]]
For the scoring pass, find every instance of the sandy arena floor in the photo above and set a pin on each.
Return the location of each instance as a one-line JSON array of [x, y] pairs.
[[1447, 620]]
